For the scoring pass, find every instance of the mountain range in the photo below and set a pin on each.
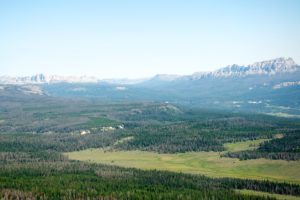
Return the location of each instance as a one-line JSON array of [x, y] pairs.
[[41, 78], [271, 87], [269, 67]]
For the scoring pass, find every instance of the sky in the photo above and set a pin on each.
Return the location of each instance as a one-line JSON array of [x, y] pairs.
[[137, 39]]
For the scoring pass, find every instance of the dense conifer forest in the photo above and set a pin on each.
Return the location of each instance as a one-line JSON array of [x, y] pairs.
[[35, 135]]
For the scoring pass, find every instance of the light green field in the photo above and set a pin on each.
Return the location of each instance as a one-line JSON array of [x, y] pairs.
[[265, 194], [241, 146], [206, 163]]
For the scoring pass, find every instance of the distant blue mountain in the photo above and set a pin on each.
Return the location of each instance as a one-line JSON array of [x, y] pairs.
[[271, 86]]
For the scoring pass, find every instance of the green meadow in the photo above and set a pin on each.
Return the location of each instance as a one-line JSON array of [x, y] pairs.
[[266, 194], [245, 145], [205, 163], [101, 121]]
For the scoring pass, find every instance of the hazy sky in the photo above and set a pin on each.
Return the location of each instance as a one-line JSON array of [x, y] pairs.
[[120, 38]]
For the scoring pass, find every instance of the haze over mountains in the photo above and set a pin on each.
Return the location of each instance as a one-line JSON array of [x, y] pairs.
[[41, 78], [271, 86], [269, 67]]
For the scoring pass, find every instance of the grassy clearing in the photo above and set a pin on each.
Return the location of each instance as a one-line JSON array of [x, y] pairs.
[[206, 163], [101, 121], [242, 146], [265, 194], [126, 139]]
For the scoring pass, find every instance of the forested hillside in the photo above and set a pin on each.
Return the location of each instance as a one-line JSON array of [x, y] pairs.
[[35, 134]]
